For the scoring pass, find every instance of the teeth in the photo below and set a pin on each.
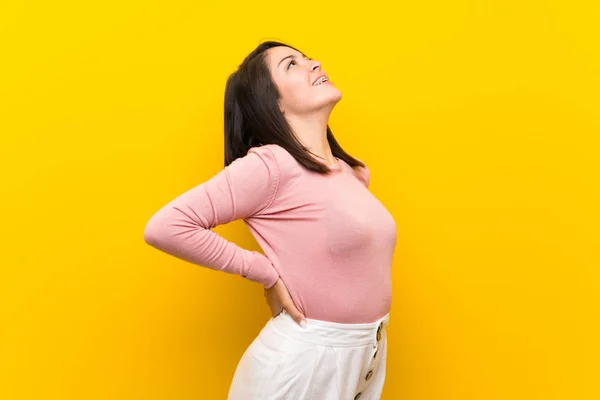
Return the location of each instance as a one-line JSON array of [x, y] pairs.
[[320, 80]]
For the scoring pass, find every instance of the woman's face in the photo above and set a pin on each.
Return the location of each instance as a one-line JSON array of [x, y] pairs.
[[294, 75]]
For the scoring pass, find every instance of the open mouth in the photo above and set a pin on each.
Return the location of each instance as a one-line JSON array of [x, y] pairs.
[[322, 80]]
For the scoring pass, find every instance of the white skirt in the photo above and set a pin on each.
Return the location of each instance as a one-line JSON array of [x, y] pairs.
[[325, 361]]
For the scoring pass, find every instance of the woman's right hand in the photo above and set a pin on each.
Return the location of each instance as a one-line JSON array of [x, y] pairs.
[[279, 299]]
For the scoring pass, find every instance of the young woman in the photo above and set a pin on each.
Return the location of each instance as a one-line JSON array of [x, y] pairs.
[[328, 242]]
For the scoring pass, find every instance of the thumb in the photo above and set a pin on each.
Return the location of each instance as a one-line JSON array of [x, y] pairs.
[[296, 315]]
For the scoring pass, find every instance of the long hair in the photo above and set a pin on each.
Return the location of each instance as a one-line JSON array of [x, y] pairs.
[[253, 116]]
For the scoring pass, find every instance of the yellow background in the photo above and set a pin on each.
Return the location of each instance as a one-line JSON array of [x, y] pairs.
[[479, 121]]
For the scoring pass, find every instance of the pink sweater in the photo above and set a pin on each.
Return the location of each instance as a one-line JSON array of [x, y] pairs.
[[325, 236]]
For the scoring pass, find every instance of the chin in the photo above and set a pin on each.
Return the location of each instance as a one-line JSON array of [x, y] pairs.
[[330, 101], [337, 98]]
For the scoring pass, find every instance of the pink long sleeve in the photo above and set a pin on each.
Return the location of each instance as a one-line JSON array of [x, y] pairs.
[[241, 190], [326, 236]]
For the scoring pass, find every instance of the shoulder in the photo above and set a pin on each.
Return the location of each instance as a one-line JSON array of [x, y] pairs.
[[265, 154], [363, 174], [287, 167], [275, 151], [253, 180], [278, 157], [258, 165]]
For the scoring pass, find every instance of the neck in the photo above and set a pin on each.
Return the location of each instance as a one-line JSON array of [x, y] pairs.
[[312, 133]]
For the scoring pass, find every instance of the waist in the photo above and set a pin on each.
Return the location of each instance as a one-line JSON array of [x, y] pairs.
[[327, 333]]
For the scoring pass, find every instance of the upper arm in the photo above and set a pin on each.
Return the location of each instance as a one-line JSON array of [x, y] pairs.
[[244, 188], [253, 181]]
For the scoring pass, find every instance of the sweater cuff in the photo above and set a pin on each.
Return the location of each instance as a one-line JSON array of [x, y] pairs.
[[262, 271]]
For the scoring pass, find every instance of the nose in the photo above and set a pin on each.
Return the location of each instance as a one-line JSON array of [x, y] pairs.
[[315, 65]]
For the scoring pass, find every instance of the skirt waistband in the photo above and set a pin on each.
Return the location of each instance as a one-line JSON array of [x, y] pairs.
[[327, 333]]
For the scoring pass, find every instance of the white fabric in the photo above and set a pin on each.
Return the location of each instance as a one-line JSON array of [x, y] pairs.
[[325, 361]]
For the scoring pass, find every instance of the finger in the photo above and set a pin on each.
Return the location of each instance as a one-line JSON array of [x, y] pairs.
[[296, 315]]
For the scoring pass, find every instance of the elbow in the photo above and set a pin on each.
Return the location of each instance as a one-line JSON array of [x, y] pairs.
[[154, 231], [164, 229], [150, 236]]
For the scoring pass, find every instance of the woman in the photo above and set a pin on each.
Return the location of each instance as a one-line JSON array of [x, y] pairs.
[[328, 242]]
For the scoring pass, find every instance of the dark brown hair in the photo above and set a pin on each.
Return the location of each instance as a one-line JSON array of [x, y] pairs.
[[253, 116]]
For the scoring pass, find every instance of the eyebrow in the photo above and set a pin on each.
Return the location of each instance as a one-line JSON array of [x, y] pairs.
[[290, 56]]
